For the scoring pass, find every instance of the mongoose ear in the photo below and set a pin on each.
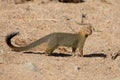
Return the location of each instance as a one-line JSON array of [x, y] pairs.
[[92, 28], [88, 29], [89, 32]]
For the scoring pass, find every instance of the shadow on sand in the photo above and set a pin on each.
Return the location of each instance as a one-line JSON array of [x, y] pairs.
[[53, 54], [68, 55], [96, 55]]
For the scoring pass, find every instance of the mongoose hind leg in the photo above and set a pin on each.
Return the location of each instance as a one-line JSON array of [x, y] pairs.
[[50, 49], [73, 51]]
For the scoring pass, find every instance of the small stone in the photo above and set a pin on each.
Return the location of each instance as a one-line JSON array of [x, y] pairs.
[[30, 66], [77, 68], [116, 78], [1, 51], [115, 55], [66, 17]]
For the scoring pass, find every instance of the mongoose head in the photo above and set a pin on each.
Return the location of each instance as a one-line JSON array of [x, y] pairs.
[[86, 30]]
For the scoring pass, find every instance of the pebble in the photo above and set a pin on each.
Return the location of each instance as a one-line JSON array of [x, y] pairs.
[[31, 66], [77, 68], [116, 78], [1, 51]]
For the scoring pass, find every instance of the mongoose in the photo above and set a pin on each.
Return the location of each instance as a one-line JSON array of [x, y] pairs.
[[54, 40]]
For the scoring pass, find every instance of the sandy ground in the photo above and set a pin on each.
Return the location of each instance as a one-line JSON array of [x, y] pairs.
[[38, 18]]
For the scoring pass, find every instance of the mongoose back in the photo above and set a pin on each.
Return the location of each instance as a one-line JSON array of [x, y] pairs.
[[54, 40]]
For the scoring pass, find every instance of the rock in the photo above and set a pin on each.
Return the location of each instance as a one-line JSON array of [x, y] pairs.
[[66, 17], [77, 68], [116, 78], [115, 55], [1, 51], [30, 66]]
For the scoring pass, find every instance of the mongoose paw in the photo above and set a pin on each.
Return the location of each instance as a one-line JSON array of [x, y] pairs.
[[73, 55], [80, 55], [47, 54]]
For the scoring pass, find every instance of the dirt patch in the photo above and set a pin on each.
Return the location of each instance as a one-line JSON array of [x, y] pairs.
[[34, 20]]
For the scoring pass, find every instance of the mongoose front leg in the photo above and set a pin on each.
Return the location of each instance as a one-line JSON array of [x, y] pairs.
[[81, 52], [73, 51]]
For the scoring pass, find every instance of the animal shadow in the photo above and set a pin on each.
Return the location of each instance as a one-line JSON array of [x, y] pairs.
[[68, 55], [31, 52], [53, 54], [96, 55], [60, 55]]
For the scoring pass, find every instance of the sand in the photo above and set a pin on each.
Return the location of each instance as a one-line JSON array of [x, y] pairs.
[[35, 19]]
